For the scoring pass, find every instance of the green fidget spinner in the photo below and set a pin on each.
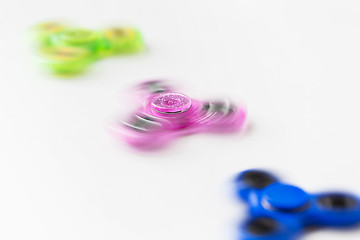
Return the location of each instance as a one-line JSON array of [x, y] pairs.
[[67, 50]]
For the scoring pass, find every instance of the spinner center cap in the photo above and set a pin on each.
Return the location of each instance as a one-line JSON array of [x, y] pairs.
[[171, 103], [77, 36], [285, 197]]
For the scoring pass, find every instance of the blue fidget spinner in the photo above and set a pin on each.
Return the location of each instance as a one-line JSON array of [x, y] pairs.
[[281, 212]]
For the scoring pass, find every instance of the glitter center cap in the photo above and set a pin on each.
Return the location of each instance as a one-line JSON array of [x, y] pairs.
[[171, 103], [77, 36]]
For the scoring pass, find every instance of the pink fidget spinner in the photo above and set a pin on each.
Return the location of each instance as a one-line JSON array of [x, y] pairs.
[[166, 114]]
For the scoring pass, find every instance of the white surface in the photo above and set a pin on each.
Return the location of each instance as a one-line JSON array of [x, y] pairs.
[[62, 176]]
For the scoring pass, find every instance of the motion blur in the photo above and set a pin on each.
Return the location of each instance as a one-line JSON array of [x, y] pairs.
[[166, 114], [68, 50]]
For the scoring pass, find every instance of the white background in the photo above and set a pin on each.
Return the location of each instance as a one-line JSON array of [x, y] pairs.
[[62, 176]]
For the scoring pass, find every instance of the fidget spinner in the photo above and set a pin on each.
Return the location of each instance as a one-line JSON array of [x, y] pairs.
[[70, 50], [166, 114], [281, 212]]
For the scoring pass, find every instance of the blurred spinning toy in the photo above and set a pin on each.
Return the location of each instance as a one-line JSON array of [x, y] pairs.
[[69, 50], [280, 212], [166, 114]]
